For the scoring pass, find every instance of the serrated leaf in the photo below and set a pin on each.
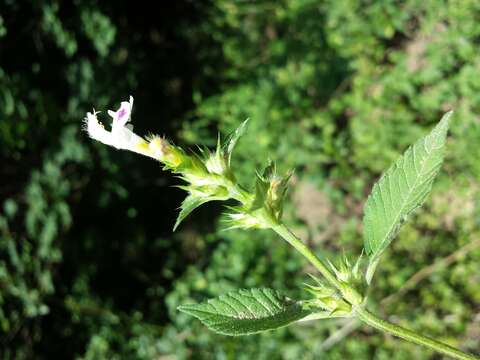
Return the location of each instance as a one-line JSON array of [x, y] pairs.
[[245, 312], [401, 190], [189, 204]]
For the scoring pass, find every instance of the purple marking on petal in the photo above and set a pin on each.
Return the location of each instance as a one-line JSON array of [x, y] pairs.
[[121, 113]]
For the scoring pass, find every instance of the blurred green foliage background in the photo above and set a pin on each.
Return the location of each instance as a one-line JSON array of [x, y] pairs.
[[336, 89]]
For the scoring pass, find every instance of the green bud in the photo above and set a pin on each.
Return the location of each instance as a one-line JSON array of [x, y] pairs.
[[244, 221], [270, 191], [216, 164], [162, 150], [328, 298], [351, 295], [349, 277], [345, 272], [333, 304]]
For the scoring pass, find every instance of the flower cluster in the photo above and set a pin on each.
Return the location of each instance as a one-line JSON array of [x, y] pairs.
[[208, 175]]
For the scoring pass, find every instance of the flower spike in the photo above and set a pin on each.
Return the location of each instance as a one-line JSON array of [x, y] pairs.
[[208, 174]]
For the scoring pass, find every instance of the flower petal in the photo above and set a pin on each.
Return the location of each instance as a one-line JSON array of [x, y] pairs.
[[123, 114], [124, 138], [96, 130]]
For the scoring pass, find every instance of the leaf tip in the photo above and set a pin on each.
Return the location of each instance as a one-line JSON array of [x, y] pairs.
[[446, 118]]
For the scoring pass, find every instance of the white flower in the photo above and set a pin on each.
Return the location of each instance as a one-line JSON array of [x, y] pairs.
[[121, 135]]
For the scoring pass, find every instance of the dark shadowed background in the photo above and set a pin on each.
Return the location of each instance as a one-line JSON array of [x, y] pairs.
[[89, 266]]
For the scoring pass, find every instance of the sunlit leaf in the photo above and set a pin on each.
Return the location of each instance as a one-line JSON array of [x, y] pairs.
[[245, 312], [401, 190]]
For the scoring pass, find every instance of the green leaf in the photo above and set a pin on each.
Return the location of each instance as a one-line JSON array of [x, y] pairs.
[[189, 204], [245, 312], [232, 138], [401, 190]]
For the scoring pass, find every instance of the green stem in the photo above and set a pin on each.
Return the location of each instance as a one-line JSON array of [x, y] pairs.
[[362, 313], [412, 336], [303, 249]]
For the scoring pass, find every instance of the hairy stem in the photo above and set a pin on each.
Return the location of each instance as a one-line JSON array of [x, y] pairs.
[[412, 336], [360, 312]]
